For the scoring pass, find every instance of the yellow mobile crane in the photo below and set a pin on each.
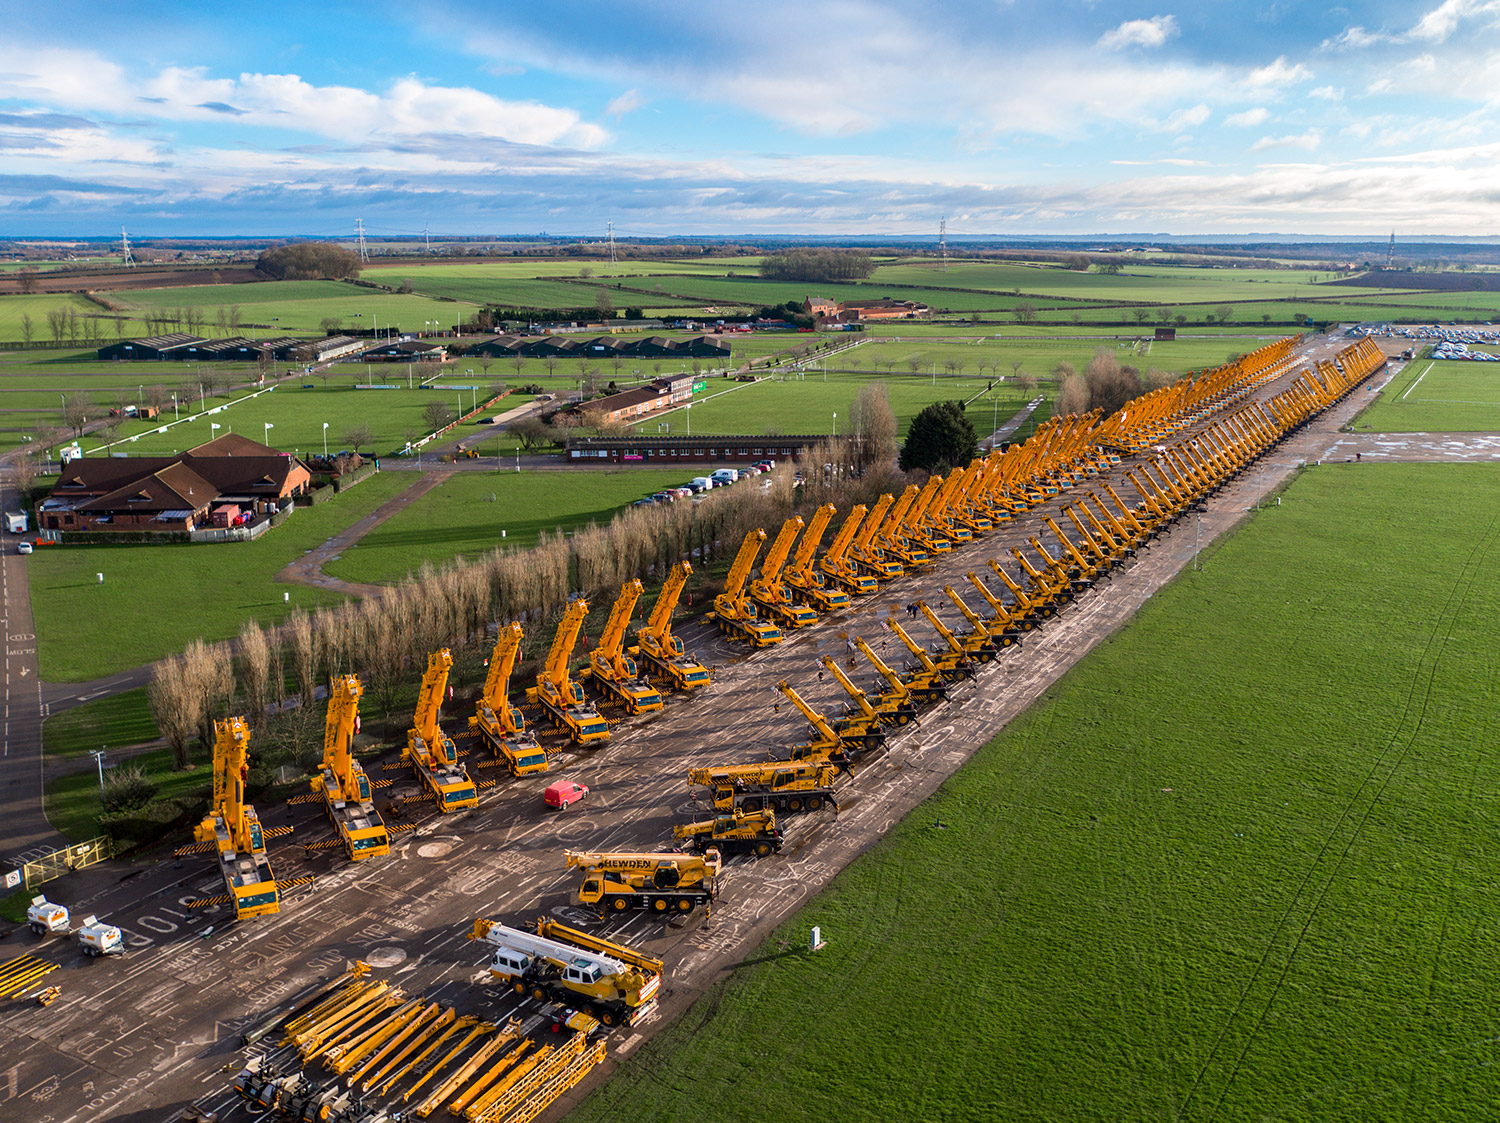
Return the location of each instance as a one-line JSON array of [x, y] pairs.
[[499, 723], [889, 538], [785, 786], [914, 532], [429, 752], [739, 832], [615, 881], [613, 671], [558, 964], [342, 782], [865, 712], [559, 696], [866, 553], [1002, 633], [901, 692], [770, 591], [835, 563], [978, 645], [830, 743], [232, 830], [734, 611], [803, 578], [659, 648], [1041, 606], [948, 666], [1019, 617]]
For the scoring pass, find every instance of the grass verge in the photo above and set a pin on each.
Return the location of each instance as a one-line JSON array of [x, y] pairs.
[[120, 719], [1237, 864]]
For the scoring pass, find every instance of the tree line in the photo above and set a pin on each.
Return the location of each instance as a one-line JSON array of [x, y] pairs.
[[815, 265]]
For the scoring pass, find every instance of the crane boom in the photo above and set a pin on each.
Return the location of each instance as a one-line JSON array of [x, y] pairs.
[[658, 629], [562, 699], [430, 699], [802, 559], [815, 719], [615, 672], [342, 781], [430, 753], [507, 719]]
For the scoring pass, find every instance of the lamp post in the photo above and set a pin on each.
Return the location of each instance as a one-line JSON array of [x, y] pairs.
[[98, 755], [835, 425], [325, 440], [175, 414]]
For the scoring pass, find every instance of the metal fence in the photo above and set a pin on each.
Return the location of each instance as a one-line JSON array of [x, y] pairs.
[[69, 858]]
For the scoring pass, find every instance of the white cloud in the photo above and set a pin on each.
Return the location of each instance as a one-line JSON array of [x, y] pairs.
[[1278, 73], [1435, 26], [1188, 118], [628, 102], [1248, 119], [1151, 32], [1308, 141], [409, 107], [1327, 93]]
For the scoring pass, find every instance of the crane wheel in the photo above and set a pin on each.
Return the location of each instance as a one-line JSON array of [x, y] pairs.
[[685, 905], [762, 849], [606, 1017], [814, 803], [619, 904], [794, 804], [660, 904]]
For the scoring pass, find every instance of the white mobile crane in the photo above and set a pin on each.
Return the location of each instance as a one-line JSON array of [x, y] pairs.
[[499, 723], [559, 964]]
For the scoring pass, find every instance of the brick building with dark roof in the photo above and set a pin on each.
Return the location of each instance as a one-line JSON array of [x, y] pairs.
[[172, 493]]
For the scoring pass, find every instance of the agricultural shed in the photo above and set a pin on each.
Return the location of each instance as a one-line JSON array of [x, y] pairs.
[[170, 346]]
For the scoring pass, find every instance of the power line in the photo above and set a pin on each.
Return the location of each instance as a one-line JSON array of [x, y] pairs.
[[127, 257], [359, 231]]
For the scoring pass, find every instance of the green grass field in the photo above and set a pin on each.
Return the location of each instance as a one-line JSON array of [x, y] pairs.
[[465, 515], [807, 406], [156, 599], [299, 307], [1437, 397], [1237, 865], [71, 801], [118, 719]]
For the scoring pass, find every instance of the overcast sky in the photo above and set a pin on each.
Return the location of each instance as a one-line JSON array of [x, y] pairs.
[[1008, 117]]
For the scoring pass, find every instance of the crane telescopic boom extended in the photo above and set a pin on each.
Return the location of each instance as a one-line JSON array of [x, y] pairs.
[[500, 724]]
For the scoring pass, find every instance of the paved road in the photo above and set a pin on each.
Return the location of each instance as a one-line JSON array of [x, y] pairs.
[[25, 832], [131, 1038]]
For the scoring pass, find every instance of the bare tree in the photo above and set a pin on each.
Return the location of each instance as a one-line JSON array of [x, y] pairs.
[[78, 407], [28, 329], [235, 315], [1226, 313], [255, 671], [359, 434], [550, 362], [174, 706], [1141, 314], [27, 278], [1024, 312], [24, 473], [438, 415], [1073, 398], [874, 422]]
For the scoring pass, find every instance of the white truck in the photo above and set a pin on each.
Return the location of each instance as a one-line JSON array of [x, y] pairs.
[[15, 522], [723, 477], [47, 918], [98, 938]]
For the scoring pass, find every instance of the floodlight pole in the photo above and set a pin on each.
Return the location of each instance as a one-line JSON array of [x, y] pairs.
[[98, 756]]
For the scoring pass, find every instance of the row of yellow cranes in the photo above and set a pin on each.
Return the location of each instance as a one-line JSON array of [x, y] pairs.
[[898, 533], [1105, 532]]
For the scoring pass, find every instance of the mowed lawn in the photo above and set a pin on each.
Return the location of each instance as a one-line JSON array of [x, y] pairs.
[[465, 516], [1240, 864], [807, 406], [155, 600], [1435, 396]]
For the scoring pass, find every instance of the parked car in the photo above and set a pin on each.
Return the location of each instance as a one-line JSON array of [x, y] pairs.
[[647, 502], [23, 547], [683, 492], [563, 793], [663, 497]]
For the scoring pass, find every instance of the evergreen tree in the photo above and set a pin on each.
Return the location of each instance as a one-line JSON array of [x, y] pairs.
[[940, 434]]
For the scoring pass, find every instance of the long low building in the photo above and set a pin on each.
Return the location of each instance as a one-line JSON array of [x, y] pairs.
[[603, 347], [689, 450]]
